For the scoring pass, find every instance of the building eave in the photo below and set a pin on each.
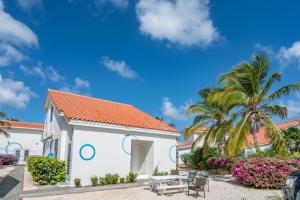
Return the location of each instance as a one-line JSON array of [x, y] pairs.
[[120, 127]]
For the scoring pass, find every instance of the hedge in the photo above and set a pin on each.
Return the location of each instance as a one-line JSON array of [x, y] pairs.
[[46, 171], [268, 173]]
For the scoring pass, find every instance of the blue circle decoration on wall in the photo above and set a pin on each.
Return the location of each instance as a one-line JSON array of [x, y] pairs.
[[124, 140], [12, 144], [84, 147], [170, 153]]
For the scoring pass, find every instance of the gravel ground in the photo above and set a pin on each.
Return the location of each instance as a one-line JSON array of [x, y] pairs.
[[220, 189]]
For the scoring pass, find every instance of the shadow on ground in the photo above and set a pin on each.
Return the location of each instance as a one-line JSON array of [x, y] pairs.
[[7, 185]]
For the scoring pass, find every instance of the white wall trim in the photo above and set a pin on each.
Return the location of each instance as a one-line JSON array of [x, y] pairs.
[[123, 128]]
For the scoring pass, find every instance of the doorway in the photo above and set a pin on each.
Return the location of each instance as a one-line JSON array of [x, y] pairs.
[[142, 157]]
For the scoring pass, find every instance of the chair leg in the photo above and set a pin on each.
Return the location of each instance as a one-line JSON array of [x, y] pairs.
[[197, 193], [204, 194], [207, 185]]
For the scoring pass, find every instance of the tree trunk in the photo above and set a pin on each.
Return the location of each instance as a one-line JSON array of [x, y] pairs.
[[256, 143]]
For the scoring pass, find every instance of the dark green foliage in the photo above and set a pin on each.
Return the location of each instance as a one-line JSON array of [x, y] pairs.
[[186, 158], [122, 180], [94, 180], [292, 138], [199, 161], [46, 171], [131, 177], [77, 182]]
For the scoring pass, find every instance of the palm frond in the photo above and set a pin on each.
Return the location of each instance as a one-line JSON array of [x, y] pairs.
[[237, 137], [275, 110], [284, 91], [275, 137]]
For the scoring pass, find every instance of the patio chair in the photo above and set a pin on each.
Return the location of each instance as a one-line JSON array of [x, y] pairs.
[[205, 175], [191, 177], [198, 186]]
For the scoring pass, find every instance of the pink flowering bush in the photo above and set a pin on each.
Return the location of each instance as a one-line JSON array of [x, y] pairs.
[[270, 173], [8, 159], [221, 165]]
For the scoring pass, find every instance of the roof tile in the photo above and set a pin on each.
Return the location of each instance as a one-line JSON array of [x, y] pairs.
[[78, 107]]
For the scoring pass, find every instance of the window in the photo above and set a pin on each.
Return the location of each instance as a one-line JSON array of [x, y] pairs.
[[18, 153], [56, 147], [69, 158], [51, 113], [26, 154]]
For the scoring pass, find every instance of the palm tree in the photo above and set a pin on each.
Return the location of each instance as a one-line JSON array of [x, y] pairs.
[[3, 125], [208, 115], [247, 91]]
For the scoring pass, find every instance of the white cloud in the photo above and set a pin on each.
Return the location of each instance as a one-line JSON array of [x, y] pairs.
[[80, 86], [173, 112], [15, 32], [293, 106], [184, 22], [43, 72], [290, 55], [14, 93], [120, 67], [29, 5], [34, 71], [53, 74], [79, 83], [9, 55]]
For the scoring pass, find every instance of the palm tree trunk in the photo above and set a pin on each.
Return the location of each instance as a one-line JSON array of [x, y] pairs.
[[256, 143]]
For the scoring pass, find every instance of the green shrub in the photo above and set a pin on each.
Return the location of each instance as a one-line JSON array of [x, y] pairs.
[[77, 182], [266, 153], [157, 173], [296, 155], [199, 161], [31, 162], [102, 181], [111, 178], [94, 180], [131, 177], [122, 180], [46, 171], [186, 159]]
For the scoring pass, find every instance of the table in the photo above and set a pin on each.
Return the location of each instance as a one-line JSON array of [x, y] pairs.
[[161, 182]]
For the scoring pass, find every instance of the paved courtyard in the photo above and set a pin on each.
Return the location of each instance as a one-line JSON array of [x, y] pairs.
[[220, 189], [11, 186]]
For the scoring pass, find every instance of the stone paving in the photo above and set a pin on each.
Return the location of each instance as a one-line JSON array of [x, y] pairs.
[[12, 185]]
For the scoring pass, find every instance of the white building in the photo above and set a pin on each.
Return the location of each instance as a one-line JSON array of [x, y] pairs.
[[249, 148], [262, 138], [96, 137], [186, 146], [24, 140]]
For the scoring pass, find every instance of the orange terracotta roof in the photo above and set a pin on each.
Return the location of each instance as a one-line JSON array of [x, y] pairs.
[[17, 124], [186, 144], [78, 107], [261, 135]]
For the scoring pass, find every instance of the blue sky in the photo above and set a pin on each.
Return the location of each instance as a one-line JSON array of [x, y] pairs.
[[153, 54]]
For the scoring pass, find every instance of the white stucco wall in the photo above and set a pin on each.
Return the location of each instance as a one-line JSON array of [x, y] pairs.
[[57, 128], [113, 152], [23, 139]]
